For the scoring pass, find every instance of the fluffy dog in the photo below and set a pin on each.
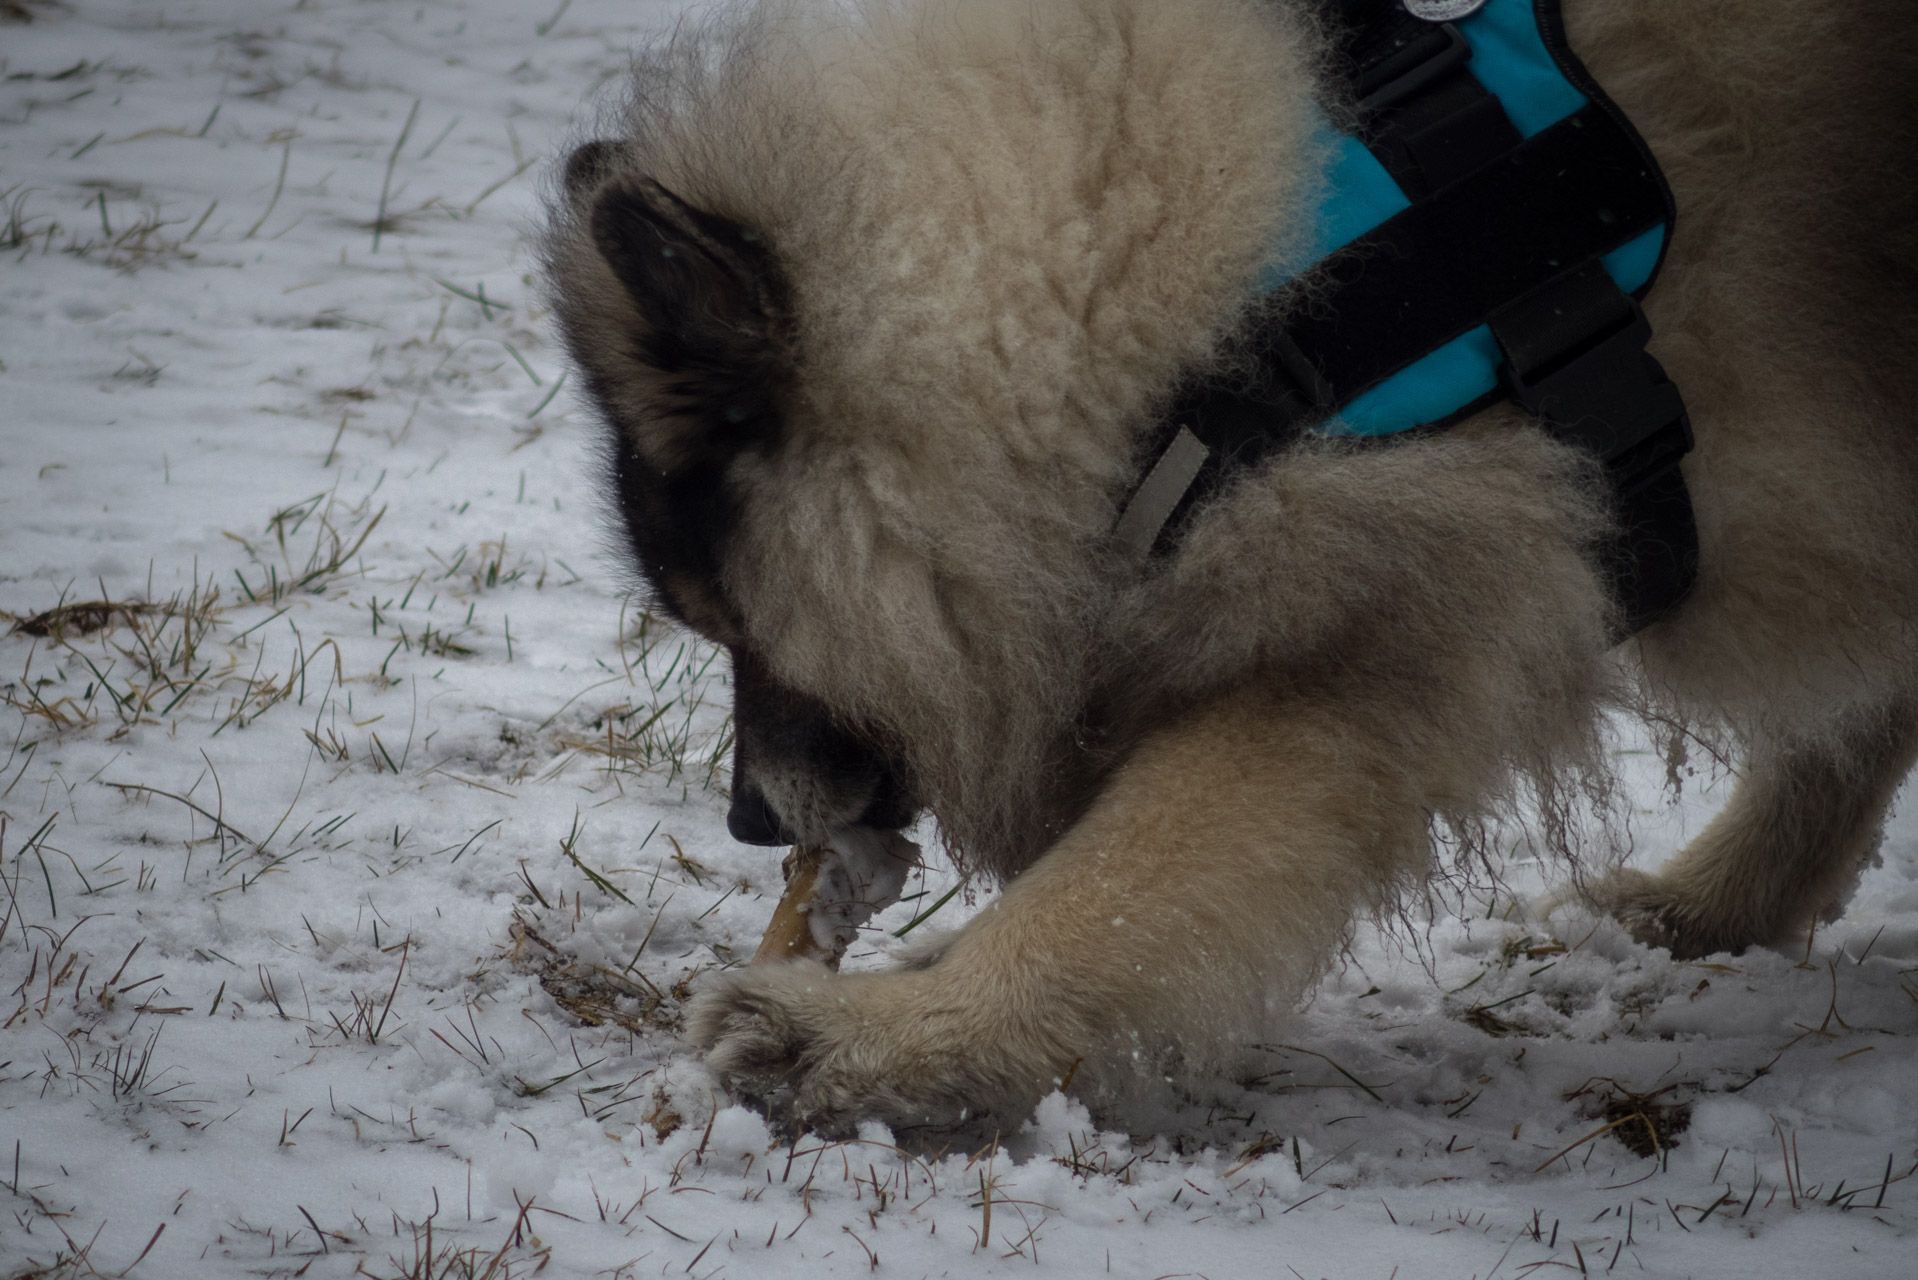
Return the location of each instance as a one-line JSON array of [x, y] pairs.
[[879, 301]]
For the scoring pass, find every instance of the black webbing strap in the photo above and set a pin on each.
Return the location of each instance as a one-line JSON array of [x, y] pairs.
[[1502, 230], [1442, 267], [1575, 356]]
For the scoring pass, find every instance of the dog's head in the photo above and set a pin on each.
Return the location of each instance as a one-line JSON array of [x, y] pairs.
[[694, 382], [878, 309]]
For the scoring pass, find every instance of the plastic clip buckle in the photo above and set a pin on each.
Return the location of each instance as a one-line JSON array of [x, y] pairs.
[[1435, 54], [1612, 397]]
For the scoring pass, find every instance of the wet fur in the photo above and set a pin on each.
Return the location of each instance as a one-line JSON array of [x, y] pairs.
[[951, 259]]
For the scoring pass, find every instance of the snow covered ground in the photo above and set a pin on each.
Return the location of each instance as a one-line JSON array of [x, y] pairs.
[[358, 842]]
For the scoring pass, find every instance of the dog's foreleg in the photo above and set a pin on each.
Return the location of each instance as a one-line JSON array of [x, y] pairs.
[[1209, 885], [1213, 880]]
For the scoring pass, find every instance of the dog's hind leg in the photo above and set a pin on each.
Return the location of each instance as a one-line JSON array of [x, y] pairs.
[[1788, 848], [1205, 890]]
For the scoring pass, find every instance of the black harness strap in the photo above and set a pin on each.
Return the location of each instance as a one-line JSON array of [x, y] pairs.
[[1504, 231], [1481, 243]]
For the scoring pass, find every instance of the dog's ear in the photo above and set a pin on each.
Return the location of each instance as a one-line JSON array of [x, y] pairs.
[[588, 166], [712, 301]]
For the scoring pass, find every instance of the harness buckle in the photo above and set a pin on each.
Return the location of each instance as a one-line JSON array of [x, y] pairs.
[[1602, 390], [1437, 51]]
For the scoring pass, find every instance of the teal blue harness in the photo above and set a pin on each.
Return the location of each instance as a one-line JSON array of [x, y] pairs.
[[1489, 221]]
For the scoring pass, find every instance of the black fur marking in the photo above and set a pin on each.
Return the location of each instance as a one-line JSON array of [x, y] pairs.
[[777, 726], [677, 523]]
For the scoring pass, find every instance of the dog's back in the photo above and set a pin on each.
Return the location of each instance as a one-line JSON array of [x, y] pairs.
[[1788, 314]]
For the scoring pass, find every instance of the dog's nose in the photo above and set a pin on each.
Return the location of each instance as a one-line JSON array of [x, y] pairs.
[[752, 821]]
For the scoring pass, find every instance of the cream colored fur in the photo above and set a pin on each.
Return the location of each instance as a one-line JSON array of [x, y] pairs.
[[1791, 843], [1007, 225], [1091, 966]]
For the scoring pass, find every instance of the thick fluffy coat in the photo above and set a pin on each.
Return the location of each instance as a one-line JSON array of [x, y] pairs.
[[880, 302]]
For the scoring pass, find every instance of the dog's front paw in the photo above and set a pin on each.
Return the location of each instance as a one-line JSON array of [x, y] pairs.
[[759, 1028], [823, 1051]]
